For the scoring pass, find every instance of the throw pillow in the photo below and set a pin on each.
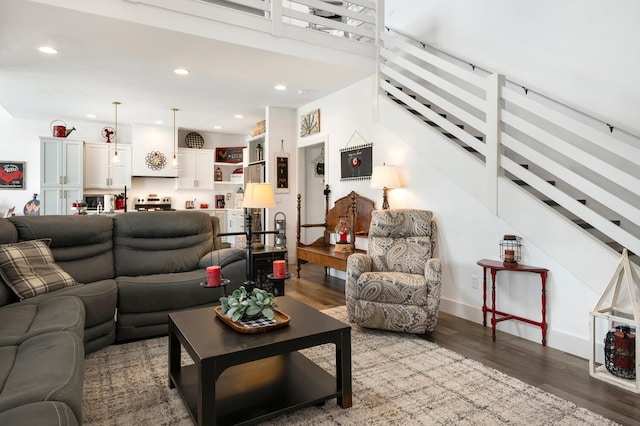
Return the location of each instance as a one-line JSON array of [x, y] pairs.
[[29, 269]]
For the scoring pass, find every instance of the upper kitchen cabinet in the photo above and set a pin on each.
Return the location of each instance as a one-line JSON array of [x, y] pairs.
[[100, 172], [61, 174], [61, 162], [152, 152], [196, 170]]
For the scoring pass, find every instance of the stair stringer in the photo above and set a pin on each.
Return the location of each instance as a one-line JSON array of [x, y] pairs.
[[579, 252]]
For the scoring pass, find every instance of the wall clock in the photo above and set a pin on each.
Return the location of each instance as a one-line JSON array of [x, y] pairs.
[[156, 160]]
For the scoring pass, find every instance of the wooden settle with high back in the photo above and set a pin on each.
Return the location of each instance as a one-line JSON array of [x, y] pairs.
[[356, 208]]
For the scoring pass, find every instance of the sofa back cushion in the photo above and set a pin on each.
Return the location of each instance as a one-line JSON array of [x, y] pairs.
[[161, 242], [81, 245]]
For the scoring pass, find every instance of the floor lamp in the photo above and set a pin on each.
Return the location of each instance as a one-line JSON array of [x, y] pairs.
[[385, 177], [256, 196]]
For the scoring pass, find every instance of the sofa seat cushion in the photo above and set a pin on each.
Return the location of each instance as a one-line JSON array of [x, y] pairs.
[[47, 367], [29, 269], [163, 292], [99, 299], [44, 413], [21, 321]]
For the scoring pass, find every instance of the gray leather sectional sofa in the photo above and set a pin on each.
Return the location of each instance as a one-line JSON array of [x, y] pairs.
[[132, 269]]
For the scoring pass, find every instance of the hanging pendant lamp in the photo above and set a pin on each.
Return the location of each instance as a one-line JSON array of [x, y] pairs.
[[174, 160], [115, 159]]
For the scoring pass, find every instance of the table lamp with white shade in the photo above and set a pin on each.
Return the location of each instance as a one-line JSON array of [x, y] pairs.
[[385, 177], [256, 196]]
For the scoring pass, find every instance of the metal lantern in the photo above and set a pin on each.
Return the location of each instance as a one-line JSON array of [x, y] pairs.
[[280, 226], [510, 249]]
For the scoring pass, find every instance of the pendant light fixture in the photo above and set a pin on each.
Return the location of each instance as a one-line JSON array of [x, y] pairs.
[[174, 161], [115, 159]]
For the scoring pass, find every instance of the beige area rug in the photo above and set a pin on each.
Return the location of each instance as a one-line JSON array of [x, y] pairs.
[[397, 379]]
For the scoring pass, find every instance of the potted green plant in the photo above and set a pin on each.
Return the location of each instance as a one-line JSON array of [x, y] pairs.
[[242, 305]]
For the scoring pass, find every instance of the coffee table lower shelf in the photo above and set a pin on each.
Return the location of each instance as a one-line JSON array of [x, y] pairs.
[[259, 390]]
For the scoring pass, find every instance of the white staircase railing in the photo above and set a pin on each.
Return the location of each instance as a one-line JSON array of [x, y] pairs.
[[350, 25], [587, 170]]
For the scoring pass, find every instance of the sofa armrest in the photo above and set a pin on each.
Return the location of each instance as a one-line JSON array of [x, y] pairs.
[[222, 257]]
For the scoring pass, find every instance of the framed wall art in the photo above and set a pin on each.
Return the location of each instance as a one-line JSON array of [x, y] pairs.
[[356, 159], [310, 123], [282, 170], [12, 175]]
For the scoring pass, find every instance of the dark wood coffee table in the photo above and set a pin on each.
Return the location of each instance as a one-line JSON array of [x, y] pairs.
[[241, 378]]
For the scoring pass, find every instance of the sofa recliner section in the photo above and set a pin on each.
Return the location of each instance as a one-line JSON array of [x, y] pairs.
[[131, 269]]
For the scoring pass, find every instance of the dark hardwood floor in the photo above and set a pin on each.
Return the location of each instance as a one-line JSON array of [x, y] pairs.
[[557, 372]]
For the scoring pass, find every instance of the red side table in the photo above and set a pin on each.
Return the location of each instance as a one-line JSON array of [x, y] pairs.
[[494, 266]]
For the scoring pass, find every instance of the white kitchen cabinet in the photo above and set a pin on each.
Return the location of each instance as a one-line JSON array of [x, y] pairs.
[[100, 172], [196, 169], [61, 162], [230, 221], [61, 174], [58, 200]]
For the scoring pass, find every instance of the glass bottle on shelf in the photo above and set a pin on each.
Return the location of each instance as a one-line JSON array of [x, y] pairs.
[[259, 153], [218, 174]]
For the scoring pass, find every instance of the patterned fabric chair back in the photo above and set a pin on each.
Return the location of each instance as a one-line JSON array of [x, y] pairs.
[[401, 240]]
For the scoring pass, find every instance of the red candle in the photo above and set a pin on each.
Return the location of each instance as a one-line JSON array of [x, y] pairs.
[[279, 269], [509, 255], [214, 276]]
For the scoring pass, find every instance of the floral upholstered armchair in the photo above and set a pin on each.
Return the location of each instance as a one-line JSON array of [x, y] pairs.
[[396, 285]]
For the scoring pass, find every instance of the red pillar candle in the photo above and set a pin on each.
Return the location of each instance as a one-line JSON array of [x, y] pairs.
[[279, 269], [214, 276], [624, 350], [509, 255]]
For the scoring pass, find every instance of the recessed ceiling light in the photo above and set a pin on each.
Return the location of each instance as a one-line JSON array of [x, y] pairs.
[[48, 50], [159, 122], [239, 116], [181, 71], [300, 92], [280, 87], [91, 116], [217, 127]]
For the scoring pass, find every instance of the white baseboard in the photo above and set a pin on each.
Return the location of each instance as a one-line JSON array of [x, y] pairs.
[[575, 345]]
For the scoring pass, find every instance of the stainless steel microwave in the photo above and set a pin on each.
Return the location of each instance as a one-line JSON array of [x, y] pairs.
[[93, 200]]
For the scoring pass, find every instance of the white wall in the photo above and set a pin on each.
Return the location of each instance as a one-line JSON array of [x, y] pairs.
[[467, 230], [580, 52]]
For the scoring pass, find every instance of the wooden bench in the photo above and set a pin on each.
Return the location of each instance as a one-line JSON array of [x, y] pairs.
[[357, 209]]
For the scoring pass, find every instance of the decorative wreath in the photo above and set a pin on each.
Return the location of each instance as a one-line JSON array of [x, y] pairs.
[[156, 160], [355, 162]]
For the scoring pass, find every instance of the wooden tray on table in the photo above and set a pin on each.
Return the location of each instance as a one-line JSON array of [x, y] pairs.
[[280, 320]]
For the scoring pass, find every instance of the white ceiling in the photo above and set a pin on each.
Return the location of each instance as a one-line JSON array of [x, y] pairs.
[[102, 59]]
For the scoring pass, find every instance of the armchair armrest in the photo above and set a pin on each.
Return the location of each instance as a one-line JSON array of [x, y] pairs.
[[357, 264], [433, 274]]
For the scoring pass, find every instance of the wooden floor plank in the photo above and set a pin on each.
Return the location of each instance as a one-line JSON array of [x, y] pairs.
[[557, 372]]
